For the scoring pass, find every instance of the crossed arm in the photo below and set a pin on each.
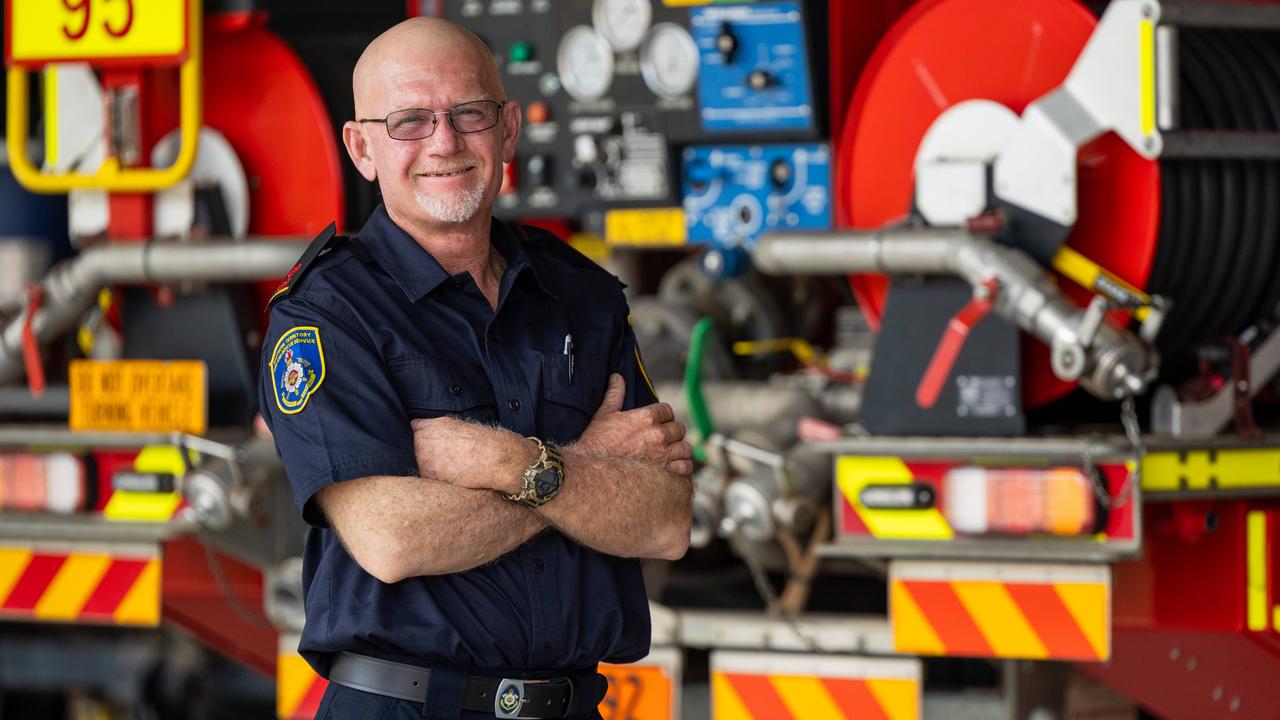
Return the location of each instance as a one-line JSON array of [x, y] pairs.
[[626, 493]]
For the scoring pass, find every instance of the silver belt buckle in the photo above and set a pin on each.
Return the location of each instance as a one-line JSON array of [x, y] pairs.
[[510, 698]]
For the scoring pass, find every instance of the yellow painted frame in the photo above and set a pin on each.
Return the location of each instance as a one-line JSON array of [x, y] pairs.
[[110, 176]]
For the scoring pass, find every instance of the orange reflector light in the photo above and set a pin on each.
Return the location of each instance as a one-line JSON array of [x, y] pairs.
[[1019, 501]]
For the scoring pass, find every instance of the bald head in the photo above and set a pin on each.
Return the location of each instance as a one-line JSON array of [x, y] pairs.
[[421, 43]]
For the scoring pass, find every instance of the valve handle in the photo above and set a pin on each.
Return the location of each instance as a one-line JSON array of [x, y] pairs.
[[953, 339]]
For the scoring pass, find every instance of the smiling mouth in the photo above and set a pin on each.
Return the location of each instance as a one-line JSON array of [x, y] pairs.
[[450, 173]]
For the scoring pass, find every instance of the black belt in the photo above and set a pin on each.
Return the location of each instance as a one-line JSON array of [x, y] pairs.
[[505, 698]]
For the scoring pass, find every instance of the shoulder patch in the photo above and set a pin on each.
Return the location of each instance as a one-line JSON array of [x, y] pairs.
[[297, 367], [322, 243]]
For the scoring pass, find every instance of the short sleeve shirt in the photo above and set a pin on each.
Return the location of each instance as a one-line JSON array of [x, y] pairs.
[[375, 334]]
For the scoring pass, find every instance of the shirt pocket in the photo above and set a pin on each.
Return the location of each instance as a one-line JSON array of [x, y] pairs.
[[432, 387], [567, 406]]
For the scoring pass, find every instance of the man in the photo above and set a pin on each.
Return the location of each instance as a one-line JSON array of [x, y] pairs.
[[465, 421]]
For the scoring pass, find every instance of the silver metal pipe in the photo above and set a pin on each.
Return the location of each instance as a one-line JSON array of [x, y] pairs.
[[71, 287], [1107, 360], [28, 527], [1051, 449], [922, 250]]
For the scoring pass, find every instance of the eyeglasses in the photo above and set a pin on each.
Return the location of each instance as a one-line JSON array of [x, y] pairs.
[[419, 123]]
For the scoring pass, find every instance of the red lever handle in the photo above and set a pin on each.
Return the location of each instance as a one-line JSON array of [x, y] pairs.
[[944, 358], [30, 344]]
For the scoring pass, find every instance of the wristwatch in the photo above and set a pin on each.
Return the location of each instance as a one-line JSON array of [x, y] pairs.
[[542, 478]]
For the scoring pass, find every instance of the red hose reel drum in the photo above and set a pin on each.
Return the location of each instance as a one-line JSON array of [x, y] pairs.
[[942, 52], [264, 101], [260, 96]]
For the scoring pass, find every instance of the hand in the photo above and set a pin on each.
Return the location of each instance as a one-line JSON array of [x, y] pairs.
[[649, 433], [470, 455]]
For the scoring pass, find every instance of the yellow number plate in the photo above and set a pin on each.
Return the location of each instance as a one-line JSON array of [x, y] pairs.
[[138, 396], [145, 31], [648, 226]]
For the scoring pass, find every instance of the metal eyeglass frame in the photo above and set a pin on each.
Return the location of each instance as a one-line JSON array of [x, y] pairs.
[[435, 121]]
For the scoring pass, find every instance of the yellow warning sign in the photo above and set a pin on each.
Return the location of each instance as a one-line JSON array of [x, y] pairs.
[[151, 31], [139, 396], [645, 226], [640, 691]]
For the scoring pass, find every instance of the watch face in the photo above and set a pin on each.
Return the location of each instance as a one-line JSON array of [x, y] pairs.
[[547, 481]]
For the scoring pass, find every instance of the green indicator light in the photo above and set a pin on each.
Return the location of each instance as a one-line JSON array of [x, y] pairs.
[[521, 52]]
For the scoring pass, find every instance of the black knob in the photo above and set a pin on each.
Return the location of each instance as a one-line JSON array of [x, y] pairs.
[[780, 173], [726, 43]]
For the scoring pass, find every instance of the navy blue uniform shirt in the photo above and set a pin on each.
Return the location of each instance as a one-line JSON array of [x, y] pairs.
[[376, 333]]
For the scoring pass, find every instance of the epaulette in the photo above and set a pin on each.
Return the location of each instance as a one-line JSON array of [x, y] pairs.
[[323, 243], [559, 248]]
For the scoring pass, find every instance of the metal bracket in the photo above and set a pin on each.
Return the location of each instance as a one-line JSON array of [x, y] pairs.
[[1112, 86], [1173, 416], [1092, 320]]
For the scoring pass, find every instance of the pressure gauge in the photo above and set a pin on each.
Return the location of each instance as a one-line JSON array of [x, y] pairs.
[[585, 63], [622, 22], [669, 61]]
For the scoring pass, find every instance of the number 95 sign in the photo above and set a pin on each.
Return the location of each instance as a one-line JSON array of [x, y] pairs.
[[133, 31]]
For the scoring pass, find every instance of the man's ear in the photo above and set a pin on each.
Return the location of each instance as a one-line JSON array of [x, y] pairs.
[[358, 148], [511, 121]]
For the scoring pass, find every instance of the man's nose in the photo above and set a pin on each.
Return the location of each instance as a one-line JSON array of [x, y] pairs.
[[444, 138]]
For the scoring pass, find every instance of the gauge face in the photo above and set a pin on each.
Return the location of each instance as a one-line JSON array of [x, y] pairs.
[[622, 22], [669, 61], [585, 63]]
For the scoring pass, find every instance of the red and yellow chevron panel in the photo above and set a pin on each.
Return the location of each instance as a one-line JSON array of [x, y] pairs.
[[91, 586], [1039, 612], [783, 686], [647, 690]]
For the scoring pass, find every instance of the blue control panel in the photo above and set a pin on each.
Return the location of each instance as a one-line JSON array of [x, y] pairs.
[[754, 68], [732, 193]]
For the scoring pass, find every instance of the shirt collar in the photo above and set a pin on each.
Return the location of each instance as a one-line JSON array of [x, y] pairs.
[[511, 243], [418, 273]]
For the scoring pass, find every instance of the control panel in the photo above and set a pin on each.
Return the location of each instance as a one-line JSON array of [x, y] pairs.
[[613, 91], [754, 68], [732, 193]]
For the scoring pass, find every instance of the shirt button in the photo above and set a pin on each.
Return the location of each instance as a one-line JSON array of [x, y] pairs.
[[455, 389], [514, 405], [537, 564]]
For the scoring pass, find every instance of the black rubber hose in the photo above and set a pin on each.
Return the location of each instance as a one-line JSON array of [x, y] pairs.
[[1262, 55], [1216, 236], [1227, 315]]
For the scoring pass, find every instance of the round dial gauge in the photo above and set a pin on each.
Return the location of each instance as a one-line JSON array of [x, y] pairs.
[[585, 63], [669, 60], [622, 22]]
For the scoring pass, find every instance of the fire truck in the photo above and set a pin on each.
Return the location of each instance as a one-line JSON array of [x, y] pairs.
[[970, 307]]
